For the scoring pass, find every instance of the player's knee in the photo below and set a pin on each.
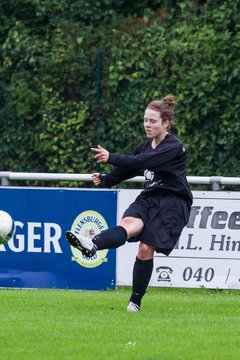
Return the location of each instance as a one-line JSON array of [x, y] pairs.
[[126, 221], [145, 252], [133, 226]]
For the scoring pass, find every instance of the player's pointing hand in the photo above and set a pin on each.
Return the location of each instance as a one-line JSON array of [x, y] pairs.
[[102, 155]]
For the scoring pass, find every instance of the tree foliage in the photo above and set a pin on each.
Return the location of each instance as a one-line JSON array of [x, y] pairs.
[[57, 99]]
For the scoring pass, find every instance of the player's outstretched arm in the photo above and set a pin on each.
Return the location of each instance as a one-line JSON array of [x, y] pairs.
[[115, 176]]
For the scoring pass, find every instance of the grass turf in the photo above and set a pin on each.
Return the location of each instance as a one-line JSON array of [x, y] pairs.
[[173, 324]]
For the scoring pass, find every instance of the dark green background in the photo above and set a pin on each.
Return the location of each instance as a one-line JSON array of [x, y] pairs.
[[77, 73]]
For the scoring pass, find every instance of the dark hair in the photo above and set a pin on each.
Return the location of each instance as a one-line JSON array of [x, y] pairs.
[[165, 106]]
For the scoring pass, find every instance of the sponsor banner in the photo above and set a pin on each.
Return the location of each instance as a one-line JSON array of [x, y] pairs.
[[208, 251], [39, 256]]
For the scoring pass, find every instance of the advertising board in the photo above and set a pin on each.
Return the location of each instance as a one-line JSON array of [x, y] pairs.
[[39, 256], [208, 251]]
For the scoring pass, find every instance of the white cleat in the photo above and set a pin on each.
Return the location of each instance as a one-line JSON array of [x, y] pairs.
[[133, 307], [82, 243]]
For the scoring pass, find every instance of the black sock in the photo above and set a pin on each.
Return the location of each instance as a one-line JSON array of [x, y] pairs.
[[110, 238], [142, 272]]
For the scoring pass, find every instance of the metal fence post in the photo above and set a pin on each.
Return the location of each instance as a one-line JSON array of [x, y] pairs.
[[216, 182], [5, 178]]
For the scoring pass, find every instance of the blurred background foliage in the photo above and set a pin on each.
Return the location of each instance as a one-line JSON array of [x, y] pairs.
[[75, 73]]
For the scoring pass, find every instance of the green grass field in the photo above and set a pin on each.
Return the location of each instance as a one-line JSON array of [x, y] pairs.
[[173, 324]]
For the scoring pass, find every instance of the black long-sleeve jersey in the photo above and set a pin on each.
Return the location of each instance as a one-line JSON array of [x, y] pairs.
[[164, 167]]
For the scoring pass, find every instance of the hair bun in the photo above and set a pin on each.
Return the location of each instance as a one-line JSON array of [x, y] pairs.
[[170, 100]]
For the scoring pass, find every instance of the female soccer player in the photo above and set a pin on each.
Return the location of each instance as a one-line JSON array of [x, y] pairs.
[[158, 215]]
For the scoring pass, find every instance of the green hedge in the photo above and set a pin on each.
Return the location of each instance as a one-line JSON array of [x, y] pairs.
[[52, 108]]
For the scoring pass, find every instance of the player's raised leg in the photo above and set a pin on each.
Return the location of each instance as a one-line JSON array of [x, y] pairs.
[[107, 239]]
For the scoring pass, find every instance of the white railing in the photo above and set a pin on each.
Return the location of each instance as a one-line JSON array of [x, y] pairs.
[[7, 177]]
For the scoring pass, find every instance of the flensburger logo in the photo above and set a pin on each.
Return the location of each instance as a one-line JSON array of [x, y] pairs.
[[89, 223]]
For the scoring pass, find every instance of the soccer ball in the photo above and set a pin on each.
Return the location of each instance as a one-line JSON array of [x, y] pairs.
[[7, 227]]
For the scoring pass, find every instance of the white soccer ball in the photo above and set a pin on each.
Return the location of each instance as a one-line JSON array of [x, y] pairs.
[[7, 227]]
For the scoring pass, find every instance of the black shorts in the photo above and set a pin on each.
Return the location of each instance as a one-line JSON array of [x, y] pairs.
[[164, 216]]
